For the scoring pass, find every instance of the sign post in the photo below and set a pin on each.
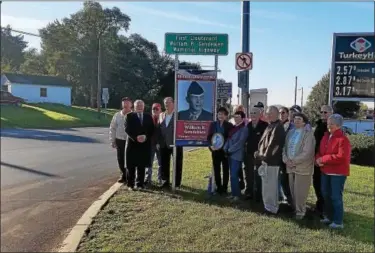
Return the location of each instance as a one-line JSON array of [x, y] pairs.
[[353, 67], [105, 98], [194, 44]]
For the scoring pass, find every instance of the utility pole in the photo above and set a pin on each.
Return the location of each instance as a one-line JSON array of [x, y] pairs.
[[98, 94], [295, 91], [245, 49], [301, 97]]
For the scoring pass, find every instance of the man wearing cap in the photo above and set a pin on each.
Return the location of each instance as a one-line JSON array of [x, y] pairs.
[[256, 128], [260, 105], [195, 99], [156, 110], [118, 137]]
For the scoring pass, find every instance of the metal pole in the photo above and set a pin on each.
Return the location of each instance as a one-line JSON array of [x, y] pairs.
[[98, 94], [245, 49], [175, 124], [295, 91], [301, 97], [213, 188]]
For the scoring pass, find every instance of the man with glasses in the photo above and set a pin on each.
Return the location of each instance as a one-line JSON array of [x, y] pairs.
[[321, 128], [285, 195], [156, 110]]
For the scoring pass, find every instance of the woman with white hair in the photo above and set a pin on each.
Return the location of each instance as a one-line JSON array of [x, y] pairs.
[[298, 155], [333, 158]]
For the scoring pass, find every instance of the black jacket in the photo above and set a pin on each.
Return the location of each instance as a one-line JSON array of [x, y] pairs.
[[321, 128], [254, 135]]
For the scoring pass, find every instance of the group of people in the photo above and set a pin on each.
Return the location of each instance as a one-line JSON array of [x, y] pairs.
[[281, 155], [274, 155], [139, 137]]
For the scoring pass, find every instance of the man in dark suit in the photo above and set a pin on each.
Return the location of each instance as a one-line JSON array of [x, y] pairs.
[[219, 158], [166, 142], [195, 99], [139, 127], [256, 129]]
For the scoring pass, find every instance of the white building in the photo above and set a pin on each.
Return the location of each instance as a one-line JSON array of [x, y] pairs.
[[258, 95], [38, 89]]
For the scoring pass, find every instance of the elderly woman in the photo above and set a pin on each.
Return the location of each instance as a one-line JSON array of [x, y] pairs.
[[298, 155], [333, 158], [235, 149]]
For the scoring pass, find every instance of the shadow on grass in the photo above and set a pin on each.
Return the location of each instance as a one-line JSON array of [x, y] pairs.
[[45, 136], [83, 113], [28, 116], [359, 228]]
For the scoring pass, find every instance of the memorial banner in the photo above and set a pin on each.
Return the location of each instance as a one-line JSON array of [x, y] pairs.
[[196, 98]]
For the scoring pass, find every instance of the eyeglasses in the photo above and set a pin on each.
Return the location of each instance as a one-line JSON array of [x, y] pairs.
[[282, 112], [324, 112]]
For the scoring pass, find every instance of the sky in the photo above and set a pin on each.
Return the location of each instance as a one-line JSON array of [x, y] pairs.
[[287, 39]]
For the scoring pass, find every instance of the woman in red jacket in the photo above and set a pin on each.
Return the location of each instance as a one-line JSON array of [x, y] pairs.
[[333, 159]]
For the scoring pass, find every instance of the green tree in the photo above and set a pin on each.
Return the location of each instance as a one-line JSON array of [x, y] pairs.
[[12, 50], [72, 46], [34, 63]]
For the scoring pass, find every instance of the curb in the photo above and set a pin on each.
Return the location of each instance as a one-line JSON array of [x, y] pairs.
[[72, 241]]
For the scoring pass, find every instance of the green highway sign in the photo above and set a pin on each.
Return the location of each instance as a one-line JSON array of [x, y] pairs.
[[196, 44]]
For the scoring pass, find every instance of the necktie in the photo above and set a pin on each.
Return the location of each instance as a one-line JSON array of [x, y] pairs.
[[140, 118]]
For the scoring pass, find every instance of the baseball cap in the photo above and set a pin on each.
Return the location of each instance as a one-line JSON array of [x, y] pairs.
[[295, 108], [259, 105]]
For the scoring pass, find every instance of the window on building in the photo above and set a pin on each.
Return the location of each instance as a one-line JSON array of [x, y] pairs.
[[5, 88], [43, 92]]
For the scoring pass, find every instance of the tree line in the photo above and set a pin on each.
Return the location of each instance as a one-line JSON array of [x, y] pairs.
[[130, 64]]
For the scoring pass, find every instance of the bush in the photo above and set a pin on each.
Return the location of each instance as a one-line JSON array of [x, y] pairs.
[[362, 149]]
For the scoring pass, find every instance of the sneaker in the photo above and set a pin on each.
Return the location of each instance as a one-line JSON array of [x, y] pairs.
[[325, 220], [336, 226], [230, 197], [236, 198]]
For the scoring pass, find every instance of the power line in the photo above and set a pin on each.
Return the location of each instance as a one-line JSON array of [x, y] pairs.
[[22, 32]]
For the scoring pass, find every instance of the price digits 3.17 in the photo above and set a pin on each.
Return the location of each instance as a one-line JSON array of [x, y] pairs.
[[343, 90]]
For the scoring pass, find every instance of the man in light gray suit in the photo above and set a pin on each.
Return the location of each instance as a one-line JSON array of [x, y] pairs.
[[165, 143]]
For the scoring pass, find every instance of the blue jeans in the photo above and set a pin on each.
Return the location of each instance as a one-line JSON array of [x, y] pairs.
[[154, 152], [235, 167], [332, 189]]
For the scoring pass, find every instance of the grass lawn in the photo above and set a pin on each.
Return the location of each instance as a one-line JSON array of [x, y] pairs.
[[52, 116], [188, 220]]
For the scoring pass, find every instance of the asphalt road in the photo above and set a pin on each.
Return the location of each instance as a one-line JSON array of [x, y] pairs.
[[48, 180]]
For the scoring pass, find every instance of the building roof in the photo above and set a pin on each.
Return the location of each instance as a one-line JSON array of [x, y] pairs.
[[37, 80]]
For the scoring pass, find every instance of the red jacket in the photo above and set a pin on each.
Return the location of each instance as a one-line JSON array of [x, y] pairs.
[[335, 153]]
